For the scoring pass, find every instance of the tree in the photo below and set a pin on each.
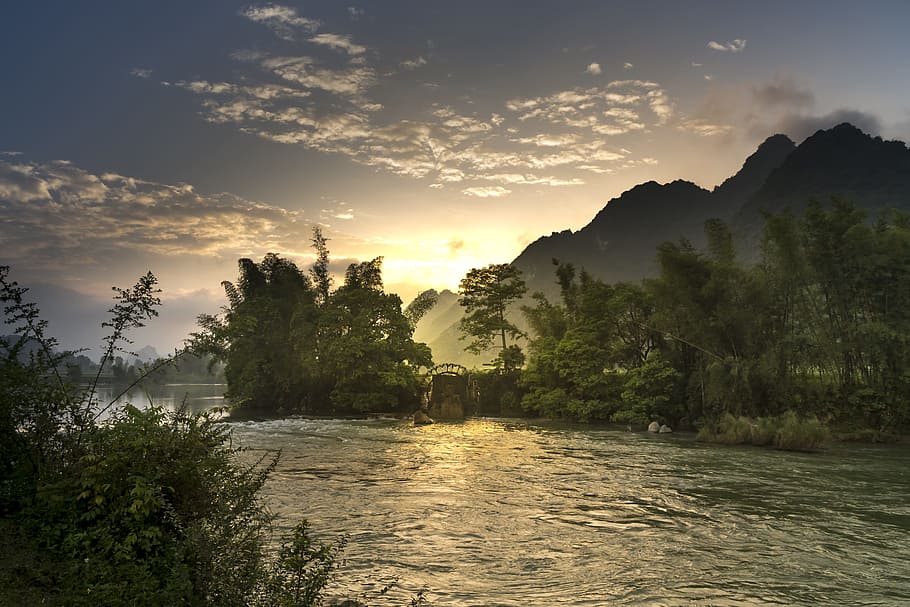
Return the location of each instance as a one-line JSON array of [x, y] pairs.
[[485, 295], [290, 344]]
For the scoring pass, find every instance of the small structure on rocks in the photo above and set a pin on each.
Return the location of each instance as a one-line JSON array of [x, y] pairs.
[[447, 392]]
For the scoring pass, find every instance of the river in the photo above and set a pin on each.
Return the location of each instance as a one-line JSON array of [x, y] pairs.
[[507, 512]]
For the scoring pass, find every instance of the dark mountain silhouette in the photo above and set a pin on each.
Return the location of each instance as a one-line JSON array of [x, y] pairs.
[[843, 162], [620, 243]]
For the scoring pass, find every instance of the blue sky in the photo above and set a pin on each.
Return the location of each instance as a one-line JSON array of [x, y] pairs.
[[179, 136]]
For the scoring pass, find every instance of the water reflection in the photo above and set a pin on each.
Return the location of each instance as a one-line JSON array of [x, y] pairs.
[[195, 397], [496, 512]]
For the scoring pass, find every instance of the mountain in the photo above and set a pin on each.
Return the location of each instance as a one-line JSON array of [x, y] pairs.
[[147, 354], [620, 242], [439, 330], [842, 161]]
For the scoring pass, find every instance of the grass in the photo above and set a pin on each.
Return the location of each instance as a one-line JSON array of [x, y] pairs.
[[787, 432]]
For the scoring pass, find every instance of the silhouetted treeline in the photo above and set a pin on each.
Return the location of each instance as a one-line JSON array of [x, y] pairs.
[[291, 344]]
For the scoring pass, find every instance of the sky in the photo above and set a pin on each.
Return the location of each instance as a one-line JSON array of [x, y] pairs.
[[178, 137]]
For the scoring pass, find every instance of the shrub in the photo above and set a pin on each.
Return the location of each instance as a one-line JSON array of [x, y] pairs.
[[148, 508], [796, 434], [157, 511], [786, 432]]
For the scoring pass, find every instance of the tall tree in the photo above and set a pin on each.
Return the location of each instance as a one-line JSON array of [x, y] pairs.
[[485, 295]]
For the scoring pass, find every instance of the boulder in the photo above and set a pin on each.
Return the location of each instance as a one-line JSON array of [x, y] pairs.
[[421, 418], [654, 427], [665, 429]]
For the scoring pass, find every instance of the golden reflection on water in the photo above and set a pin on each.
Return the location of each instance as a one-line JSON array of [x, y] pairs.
[[509, 513]]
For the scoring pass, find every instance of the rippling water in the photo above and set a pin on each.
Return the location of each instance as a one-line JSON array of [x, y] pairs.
[[501, 512]]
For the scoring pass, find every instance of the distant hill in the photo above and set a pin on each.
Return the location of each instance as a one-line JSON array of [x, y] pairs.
[[439, 330], [620, 242]]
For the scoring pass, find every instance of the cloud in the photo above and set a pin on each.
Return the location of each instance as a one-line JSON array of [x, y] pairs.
[[734, 46], [339, 42], [593, 69], [341, 210], [591, 109], [782, 91], [798, 127], [355, 13], [413, 64], [704, 127], [487, 192], [530, 179], [627, 66], [308, 73], [55, 214], [330, 107], [282, 20], [141, 72]]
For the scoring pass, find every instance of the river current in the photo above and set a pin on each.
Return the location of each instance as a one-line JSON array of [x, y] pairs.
[[507, 512]]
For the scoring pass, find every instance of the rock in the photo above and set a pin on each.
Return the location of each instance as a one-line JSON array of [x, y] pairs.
[[665, 429], [654, 427], [421, 418]]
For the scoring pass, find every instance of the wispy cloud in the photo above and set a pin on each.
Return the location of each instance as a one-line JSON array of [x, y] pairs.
[[733, 46], [331, 106], [55, 213], [627, 66], [355, 13], [413, 64], [141, 72], [283, 20], [704, 127], [487, 192], [591, 109], [339, 42]]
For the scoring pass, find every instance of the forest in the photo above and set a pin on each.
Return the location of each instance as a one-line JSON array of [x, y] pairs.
[[812, 327], [817, 325]]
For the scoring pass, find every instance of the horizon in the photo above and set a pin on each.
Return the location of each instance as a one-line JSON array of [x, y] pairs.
[[126, 151]]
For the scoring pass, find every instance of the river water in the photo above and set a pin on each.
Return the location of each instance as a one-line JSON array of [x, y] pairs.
[[504, 512]]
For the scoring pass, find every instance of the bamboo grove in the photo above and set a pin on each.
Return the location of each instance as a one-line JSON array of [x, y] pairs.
[[819, 325]]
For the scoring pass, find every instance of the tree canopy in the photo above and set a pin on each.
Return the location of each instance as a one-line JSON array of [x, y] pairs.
[[486, 294], [291, 344]]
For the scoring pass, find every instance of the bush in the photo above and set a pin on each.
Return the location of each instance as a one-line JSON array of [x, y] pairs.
[[157, 511], [794, 434], [148, 508], [786, 432]]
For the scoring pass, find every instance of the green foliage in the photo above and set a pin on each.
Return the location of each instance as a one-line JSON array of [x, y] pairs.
[[157, 511], [787, 431], [648, 393], [302, 570], [485, 295], [821, 326], [291, 345], [149, 507], [794, 434], [500, 393]]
